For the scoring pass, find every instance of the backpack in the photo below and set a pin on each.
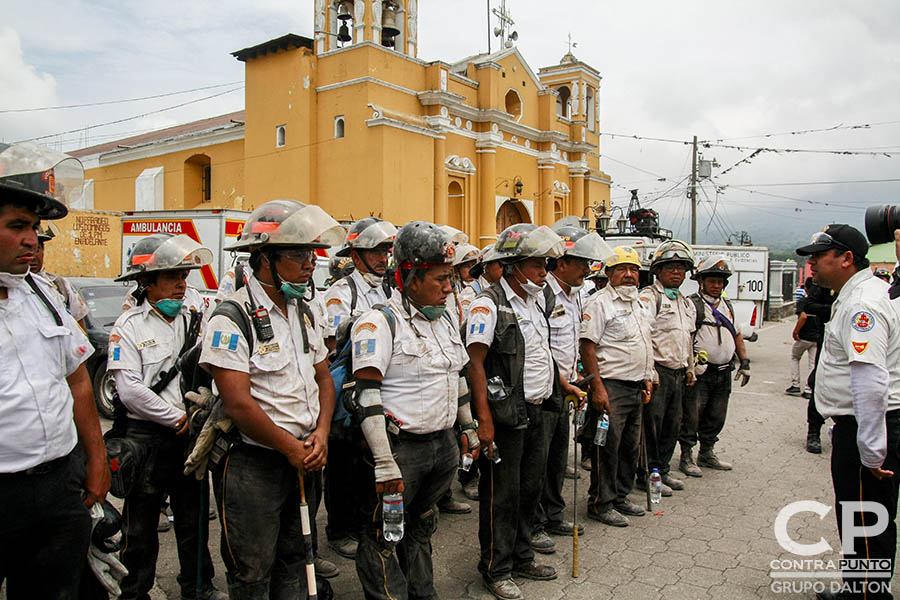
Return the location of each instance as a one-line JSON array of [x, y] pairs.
[[341, 367], [700, 305]]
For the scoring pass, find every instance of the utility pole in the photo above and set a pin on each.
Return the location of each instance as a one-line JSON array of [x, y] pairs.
[[694, 194]]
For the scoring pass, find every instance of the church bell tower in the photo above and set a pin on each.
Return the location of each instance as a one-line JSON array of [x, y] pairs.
[[389, 23]]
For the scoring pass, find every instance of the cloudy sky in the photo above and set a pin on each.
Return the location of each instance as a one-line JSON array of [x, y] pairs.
[[728, 72]]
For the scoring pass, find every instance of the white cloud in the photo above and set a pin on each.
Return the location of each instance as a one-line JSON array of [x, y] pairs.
[[23, 86]]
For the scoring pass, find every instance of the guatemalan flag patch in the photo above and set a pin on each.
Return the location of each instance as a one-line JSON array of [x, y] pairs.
[[225, 341]]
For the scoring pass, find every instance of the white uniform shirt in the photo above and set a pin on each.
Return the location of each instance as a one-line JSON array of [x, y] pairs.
[[565, 322], [339, 298], [75, 304], [468, 293], [282, 376], [864, 328], [538, 372], [620, 330], [707, 337], [673, 326], [36, 355], [420, 365]]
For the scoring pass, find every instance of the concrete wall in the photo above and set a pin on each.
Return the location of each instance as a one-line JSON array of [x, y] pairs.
[[89, 245]]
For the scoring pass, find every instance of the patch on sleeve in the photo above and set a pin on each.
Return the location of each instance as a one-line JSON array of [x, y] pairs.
[[333, 301], [859, 347], [585, 317], [476, 328], [81, 350], [114, 337], [307, 321], [364, 347], [116, 353], [225, 341], [480, 309], [364, 327], [863, 321]]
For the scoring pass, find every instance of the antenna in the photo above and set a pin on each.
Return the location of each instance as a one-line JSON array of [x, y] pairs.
[[506, 23]]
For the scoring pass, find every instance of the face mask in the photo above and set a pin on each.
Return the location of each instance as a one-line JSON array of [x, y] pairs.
[[627, 292], [671, 293], [372, 279], [293, 291], [169, 307], [433, 313], [531, 288]]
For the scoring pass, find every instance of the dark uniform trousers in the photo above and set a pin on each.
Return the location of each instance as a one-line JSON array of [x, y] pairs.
[[163, 474], [854, 483], [258, 496], [556, 439], [613, 465], [662, 418], [508, 494], [427, 463], [340, 485], [705, 407], [45, 530]]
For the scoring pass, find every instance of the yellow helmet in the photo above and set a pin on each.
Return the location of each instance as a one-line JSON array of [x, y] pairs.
[[624, 255]]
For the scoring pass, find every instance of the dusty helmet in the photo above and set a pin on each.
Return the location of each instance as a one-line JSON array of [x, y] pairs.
[[422, 244], [597, 271], [340, 266], [368, 234], [165, 252], [583, 244], [487, 255], [623, 255], [456, 236], [288, 223], [672, 251], [525, 240], [465, 253], [712, 265], [46, 180], [47, 232]]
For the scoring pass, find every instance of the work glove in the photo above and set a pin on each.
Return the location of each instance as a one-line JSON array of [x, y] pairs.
[[198, 406], [215, 424], [105, 566], [744, 372]]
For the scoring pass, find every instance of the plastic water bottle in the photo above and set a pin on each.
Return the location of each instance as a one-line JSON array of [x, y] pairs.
[[655, 487], [466, 462], [392, 517], [495, 453], [602, 430], [580, 416]]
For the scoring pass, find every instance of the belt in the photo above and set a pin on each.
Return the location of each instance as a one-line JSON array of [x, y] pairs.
[[419, 437], [633, 384], [680, 371], [718, 367], [891, 414], [41, 469]]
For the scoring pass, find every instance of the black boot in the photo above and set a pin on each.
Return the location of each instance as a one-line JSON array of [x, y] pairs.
[[813, 442]]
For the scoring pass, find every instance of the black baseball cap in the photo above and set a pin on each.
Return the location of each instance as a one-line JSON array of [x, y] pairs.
[[838, 236]]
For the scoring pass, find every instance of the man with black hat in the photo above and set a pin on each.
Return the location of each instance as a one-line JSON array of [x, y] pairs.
[[861, 355], [75, 304], [45, 392]]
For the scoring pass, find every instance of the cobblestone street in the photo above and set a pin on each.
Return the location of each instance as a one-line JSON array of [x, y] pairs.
[[715, 539]]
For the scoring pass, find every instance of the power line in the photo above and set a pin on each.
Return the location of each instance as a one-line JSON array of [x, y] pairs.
[[108, 102], [805, 131], [813, 183], [831, 205], [154, 112], [657, 175]]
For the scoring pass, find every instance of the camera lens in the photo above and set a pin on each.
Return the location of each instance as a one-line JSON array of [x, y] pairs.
[[881, 221]]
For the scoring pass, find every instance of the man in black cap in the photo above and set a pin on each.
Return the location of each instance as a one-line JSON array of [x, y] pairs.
[[861, 354]]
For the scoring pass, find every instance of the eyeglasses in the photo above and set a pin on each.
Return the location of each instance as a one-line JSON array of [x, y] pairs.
[[674, 267], [299, 256]]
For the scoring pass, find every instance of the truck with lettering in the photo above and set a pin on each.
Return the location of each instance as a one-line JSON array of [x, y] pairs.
[[214, 228]]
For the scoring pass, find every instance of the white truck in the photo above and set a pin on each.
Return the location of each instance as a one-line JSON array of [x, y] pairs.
[[747, 288]]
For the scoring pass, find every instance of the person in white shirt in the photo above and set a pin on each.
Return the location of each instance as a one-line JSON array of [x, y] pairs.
[[407, 360], [563, 308], [75, 304], [617, 350], [858, 387], [512, 374], [276, 389], [46, 401], [144, 346], [368, 244]]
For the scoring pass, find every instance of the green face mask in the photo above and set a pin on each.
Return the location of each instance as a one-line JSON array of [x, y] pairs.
[[169, 307], [671, 293], [294, 291], [433, 313]]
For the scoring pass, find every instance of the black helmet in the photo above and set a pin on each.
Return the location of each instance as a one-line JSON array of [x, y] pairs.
[[340, 266], [106, 527], [368, 234], [46, 180], [420, 245], [47, 232], [525, 240]]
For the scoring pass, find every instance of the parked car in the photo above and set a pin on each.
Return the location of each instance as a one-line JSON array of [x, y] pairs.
[[104, 298]]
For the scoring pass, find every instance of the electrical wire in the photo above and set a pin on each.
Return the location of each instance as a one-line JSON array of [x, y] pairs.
[[813, 183], [108, 102], [805, 131]]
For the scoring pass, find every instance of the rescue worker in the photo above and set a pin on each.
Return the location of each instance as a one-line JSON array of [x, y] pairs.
[[717, 340], [486, 271], [407, 359], [511, 374], [617, 350], [368, 244], [463, 261], [563, 308], [277, 391], [48, 404], [593, 283], [75, 304], [673, 319], [338, 268], [817, 308], [857, 387], [144, 345]]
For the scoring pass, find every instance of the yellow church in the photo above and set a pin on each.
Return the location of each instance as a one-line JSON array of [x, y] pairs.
[[354, 121]]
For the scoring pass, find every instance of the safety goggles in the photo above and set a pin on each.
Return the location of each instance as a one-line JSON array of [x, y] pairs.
[[300, 256]]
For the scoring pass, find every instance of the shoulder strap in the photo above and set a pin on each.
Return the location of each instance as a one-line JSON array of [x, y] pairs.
[[699, 304], [354, 294], [239, 276], [549, 300], [40, 294], [392, 321], [191, 331], [233, 310]]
